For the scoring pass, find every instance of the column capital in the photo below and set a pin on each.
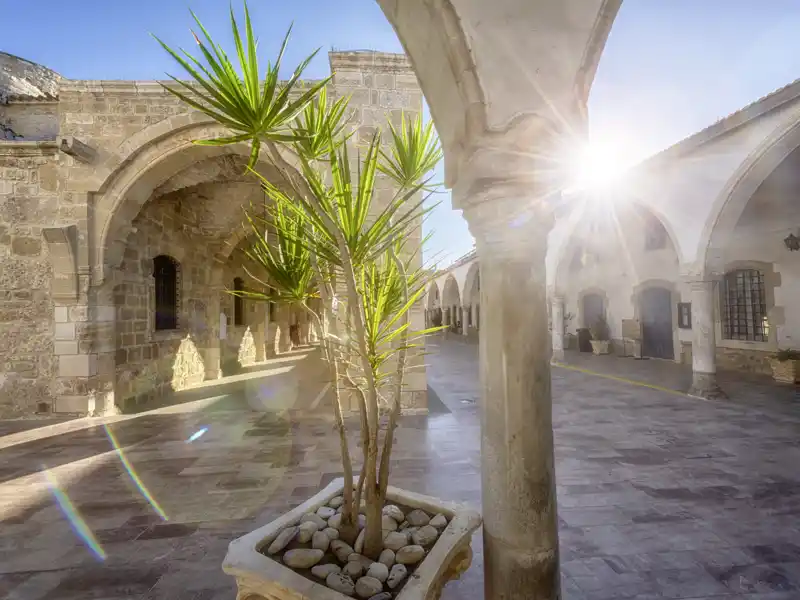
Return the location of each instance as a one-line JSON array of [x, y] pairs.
[[507, 185]]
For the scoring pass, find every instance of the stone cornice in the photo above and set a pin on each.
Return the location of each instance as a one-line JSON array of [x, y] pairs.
[[138, 88], [25, 148]]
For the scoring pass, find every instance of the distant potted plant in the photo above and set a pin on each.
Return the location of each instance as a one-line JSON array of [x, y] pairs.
[[786, 366], [601, 336]]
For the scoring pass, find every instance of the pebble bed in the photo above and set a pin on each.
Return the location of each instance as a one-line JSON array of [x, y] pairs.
[[312, 547]]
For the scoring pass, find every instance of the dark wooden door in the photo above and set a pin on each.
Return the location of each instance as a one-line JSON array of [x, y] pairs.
[[656, 312], [593, 309]]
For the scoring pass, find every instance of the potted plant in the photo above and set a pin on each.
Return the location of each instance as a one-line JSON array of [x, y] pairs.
[[601, 336], [327, 247], [786, 366]]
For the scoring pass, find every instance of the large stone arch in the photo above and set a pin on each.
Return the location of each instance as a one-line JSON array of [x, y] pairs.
[[433, 298], [483, 66], [473, 274], [562, 242], [729, 205], [129, 176]]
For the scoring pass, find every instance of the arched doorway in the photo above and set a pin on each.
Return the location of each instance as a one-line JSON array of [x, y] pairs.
[[593, 309], [655, 309]]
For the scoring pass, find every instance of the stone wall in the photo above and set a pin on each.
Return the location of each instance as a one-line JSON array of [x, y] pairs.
[[29, 121], [382, 87], [28, 203], [735, 359]]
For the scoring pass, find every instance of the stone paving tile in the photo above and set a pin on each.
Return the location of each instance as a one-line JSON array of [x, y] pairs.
[[660, 495]]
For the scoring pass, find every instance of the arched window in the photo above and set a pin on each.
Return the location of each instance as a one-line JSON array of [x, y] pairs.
[[745, 306], [238, 302], [165, 272]]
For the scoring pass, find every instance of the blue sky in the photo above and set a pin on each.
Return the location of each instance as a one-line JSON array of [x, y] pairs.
[[671, 67]]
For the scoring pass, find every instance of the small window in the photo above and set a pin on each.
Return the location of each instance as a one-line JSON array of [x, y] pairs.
[[238, 302], [744, 306], [165, 272]]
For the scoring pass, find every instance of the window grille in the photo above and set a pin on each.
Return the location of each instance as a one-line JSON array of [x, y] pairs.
[[745, 306]]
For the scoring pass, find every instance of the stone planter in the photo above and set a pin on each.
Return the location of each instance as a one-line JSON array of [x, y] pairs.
[[259, 577], [786, 371], [601, 346]]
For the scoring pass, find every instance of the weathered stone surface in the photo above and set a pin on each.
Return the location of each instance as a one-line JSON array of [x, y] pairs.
[[396, 576], [418, 518], [306, 530], [283, 539], [341, 583], [341, 550], [387, 558], [425, 536], [394, 512], [314, 518], [320, 541], [322, 571], [335, 521], [410, 555], [395, 540], [302, 558], [439, 521], [366, 587], [326, 512], [379, 571], [388, 524], [353, 568]]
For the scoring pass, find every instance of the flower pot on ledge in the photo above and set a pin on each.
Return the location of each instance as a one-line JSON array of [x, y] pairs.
[[785, 371], [601, 346], [260, 577]]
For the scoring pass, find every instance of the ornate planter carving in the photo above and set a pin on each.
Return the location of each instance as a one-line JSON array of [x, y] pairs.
[[601, 346], [786, 371], [259, 577]]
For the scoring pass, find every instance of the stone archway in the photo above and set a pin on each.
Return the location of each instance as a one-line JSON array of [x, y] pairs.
[[451, 304], [471, 296], [433, 306]]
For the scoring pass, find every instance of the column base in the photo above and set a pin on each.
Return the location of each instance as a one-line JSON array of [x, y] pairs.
[[558, 356], [704, 385]]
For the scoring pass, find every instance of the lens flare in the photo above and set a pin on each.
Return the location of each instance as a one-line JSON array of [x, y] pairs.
[[134, 476], [77, 523], [197, 435]]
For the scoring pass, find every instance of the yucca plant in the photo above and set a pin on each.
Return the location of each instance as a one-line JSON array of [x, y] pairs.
[[330, 235]]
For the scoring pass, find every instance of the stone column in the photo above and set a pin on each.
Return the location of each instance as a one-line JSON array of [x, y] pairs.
[[704, 342], [260, 331], [284, 320], [505, 203], [557, 318], [212, 354], [464, 313]]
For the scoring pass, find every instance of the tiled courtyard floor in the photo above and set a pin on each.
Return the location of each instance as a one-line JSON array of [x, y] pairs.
[[660, 495]]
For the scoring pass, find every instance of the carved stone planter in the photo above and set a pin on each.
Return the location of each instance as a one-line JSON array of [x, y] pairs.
[[601, 346], [785, 371], [259, 577]]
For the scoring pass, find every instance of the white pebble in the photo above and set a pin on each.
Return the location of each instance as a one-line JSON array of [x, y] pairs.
[[387, 558], [379, 571], [341, 583], [320, 541], [366, 587], [307, 529], [439, 521], [390, 510], [302, 558], [322, 571], [283, 539], [326, 512], [396, 576], [336, 502], [331, 533], [410, 555], [418, 518]]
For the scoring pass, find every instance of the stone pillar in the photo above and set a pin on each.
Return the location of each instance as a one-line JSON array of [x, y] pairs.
[[704, 342], [464, 313], [260, 331], [504, 202], [212, 354], [284, 320], [557, 318]]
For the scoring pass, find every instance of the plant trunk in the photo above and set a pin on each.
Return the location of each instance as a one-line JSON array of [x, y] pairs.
[[349, 526], [356, 309]]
